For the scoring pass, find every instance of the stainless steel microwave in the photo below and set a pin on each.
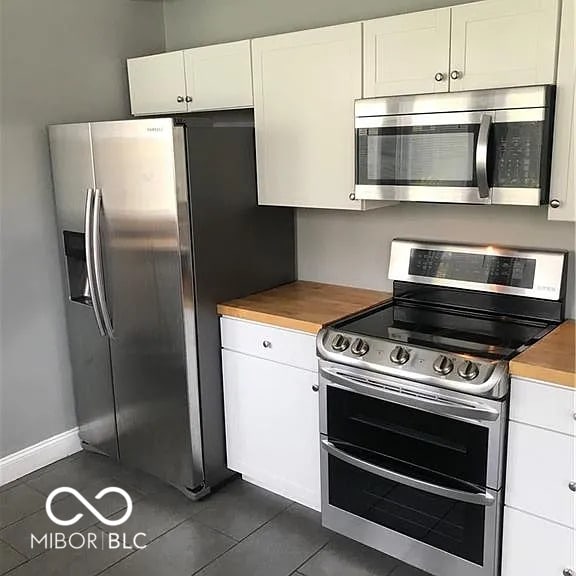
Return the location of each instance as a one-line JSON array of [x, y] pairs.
[[480, 147]]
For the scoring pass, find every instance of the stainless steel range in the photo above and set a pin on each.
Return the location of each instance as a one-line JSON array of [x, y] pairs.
[[414, 401]]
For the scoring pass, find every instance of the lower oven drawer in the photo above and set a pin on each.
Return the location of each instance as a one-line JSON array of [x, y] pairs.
[[441, 534]]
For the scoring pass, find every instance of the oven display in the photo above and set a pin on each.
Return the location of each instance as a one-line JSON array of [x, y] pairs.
[[484, 269]]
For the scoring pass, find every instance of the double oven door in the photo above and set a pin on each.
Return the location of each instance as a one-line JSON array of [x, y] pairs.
[[414, 473]]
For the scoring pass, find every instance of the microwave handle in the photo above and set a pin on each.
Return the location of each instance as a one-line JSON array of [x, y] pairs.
[[482, 156]]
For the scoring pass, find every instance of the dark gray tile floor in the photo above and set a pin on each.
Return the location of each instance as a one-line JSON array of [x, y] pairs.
[[241, 530]]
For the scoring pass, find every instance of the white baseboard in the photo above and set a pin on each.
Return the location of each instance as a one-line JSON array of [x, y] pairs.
[[34, 457]]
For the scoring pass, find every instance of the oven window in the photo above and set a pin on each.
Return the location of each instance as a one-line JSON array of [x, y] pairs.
[[443, 445], [417, 155], [452, 526]]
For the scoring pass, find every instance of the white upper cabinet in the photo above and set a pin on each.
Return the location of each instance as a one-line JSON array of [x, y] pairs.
[[482, 45], [407, 54], [219, 77], [208, 78], [562, 186], [157, 84], [500, 43], [305, 84]]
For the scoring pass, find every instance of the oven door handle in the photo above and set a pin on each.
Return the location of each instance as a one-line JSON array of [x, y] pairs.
[[481, 498], [469, 411]]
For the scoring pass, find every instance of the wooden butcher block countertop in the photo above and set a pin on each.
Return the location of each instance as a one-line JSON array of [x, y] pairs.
[[552, 359], [304, 306]]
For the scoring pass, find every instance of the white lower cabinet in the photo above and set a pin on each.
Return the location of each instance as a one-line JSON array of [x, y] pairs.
[[272, 428], [536, 547], [540, 506], [540, 469]]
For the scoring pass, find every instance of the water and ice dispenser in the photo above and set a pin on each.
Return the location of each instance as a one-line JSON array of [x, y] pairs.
[[79, 290]]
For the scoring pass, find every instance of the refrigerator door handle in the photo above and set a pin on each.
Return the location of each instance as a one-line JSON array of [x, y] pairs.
[[88, 219], [97, 261]]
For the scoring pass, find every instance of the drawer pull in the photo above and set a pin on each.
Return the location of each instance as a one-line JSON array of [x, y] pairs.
[[568, 572], [267, 344], [572, 486]]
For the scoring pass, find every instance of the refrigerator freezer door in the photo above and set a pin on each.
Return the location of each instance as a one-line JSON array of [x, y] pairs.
[[135, 171], [73, 175]]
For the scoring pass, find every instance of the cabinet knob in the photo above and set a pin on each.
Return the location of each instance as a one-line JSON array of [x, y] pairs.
[[572, 486], [188, 98], [267, 344], [180, 99], [555, 203], [568, 572], [315, 387], [352, 196], [455, 74], [440, 77]]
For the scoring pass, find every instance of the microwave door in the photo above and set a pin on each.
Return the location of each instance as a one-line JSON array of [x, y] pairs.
[[440, 157]]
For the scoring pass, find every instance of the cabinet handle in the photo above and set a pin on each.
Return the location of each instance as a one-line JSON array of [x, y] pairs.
[[572, 486], [554, 203], [455, 74], [188, 98], [315, 387], [568, 572], [439, 77], [267, 344], [180, 99]]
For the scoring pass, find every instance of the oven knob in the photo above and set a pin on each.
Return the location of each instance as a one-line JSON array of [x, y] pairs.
[[443, 365], [359, 347], [340, 343], [399, 355], [468, 370]]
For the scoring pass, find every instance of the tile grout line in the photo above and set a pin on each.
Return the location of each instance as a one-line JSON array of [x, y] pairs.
[[151, 541]]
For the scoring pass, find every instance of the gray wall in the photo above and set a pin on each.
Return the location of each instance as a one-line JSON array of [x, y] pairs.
[[353, 248], [197, 22], [61, 61], [346, 247]]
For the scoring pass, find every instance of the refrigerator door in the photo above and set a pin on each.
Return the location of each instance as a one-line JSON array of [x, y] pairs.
[[146, 294], [73, 176]]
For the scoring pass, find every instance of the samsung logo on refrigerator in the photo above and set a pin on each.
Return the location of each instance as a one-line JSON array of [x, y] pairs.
[[154, 129]]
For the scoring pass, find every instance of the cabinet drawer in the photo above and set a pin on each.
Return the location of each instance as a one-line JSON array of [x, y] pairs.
[[540, 469], [543, 405], [535, 547], [277, 344]]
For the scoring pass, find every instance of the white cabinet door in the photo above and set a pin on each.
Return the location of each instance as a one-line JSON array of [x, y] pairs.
[[157, 84], [272, 428], [563, 184], [219, 77], [407, 54], [540, 469], [305, 84], [535, 547], [500, 43]]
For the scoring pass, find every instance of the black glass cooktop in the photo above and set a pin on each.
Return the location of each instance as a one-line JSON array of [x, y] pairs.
[[487, 336]]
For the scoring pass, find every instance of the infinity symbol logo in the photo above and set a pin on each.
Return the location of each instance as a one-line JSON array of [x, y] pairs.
[[88, 506]]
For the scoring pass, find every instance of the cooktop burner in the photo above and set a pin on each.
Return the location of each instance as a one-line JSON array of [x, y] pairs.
[[449, 331], [459, 313]]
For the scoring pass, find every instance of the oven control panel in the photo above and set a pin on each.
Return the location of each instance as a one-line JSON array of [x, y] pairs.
[[470, 374]]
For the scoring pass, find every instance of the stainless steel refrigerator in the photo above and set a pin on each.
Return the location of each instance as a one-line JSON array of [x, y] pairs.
[[158, 222]]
